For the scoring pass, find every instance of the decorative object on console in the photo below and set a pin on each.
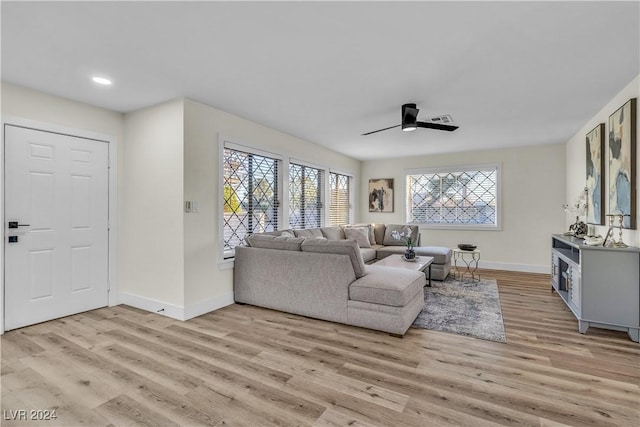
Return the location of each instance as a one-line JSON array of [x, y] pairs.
[[579, 208], [622, 159], [595, 168], [610, 240], [381, 195]]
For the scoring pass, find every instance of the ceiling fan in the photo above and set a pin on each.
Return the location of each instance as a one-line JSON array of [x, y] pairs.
[[410, 121]]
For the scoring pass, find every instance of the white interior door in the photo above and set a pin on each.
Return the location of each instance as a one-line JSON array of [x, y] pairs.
[[57, 191]]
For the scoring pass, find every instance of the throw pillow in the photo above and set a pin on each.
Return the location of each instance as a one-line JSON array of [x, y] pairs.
[[286, 234], [389, 240], [368, 229], [359, 234]]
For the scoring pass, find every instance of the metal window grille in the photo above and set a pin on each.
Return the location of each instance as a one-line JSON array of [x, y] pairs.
[[305, 196], [466, 197], [340, 207], [250, 196]]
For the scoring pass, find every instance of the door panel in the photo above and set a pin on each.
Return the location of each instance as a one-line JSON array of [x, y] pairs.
[[56, 187]]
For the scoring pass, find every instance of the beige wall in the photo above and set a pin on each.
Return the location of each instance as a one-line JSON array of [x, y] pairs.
[[576, 159], [152, 231], [533, 188], [204, 278]]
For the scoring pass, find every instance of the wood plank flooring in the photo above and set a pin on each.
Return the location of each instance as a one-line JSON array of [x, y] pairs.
[[247, 366]]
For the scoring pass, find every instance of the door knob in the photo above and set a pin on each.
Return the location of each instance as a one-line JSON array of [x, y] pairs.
[[14, 224]]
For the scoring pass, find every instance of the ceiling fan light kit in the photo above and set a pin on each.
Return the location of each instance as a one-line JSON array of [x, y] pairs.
[[410, 121]]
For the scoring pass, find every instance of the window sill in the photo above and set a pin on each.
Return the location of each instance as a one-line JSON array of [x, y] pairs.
[[227, 264]]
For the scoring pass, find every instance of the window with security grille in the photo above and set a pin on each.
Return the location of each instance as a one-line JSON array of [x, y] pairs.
[[250, 197], [305, 196], [459, 197], [340, 193]]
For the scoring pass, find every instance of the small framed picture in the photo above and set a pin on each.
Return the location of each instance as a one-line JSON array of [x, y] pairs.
[[381, 195]]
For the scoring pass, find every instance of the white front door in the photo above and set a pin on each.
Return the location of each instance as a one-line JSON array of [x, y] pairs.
[[56, 225]]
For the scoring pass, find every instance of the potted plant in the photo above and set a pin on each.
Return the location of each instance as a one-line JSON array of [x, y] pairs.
[[406, 237]]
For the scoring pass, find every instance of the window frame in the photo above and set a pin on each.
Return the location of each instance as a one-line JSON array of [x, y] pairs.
[[226, 258], [497, 226]]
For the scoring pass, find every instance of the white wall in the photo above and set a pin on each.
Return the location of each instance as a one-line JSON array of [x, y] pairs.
[[533, 191], [151, 246], [576, 159], [206, 284]]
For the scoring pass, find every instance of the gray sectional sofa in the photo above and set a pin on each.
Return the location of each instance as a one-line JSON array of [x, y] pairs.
[[321, 273], [326, 279]]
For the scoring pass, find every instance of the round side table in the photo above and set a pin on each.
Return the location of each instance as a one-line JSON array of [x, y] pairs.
[[468, 264]]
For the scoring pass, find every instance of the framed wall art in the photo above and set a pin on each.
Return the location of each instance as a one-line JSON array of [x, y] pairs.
[[622, 159], [381, 195], [595, 169]]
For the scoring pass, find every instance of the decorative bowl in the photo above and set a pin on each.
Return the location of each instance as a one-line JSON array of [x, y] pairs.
[[410, 259], [467, 246]]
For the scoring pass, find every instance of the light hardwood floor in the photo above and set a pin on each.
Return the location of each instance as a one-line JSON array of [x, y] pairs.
[[243, 365]]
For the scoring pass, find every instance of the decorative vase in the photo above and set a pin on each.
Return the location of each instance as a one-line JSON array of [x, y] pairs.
[[409, 253]]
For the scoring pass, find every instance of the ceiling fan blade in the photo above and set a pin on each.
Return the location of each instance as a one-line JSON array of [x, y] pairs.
[[438, 126], [380, 130]]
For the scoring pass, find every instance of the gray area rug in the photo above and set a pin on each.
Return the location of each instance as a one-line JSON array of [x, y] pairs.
[[464, 308]]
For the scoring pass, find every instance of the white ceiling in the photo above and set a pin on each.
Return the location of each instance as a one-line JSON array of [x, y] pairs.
[[510, 73]]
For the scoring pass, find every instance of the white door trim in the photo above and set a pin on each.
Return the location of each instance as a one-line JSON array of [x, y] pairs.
[[113, 196]]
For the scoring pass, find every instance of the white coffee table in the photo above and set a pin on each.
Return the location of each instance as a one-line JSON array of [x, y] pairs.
[[397, 261]]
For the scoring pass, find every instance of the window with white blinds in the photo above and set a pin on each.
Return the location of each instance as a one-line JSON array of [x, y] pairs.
[[340, 193], [306, 194], [456, 197], [250, 196]]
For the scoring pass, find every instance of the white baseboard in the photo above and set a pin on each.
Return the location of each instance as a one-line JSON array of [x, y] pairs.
[[212, 304], [175, 311], [152, 305], [525, 268]]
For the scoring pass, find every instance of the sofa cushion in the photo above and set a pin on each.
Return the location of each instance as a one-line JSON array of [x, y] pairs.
[[343, 247], [368, 254], [274, 242], [333, 233], [311, 232], [359, 234], [387, 286], [378, 232], [389, 240]]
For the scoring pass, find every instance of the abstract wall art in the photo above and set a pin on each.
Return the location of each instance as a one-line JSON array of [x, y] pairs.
[[622, 159], [595, 168], [381, 195]]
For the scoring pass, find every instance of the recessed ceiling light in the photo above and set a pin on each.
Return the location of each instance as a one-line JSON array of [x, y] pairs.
[[101, 81]]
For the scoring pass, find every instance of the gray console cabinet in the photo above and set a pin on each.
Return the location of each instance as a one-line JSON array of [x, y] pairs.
[[600, 285]]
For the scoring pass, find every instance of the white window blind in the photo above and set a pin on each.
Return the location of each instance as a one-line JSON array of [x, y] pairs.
[[305, 196], [340, 206]]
